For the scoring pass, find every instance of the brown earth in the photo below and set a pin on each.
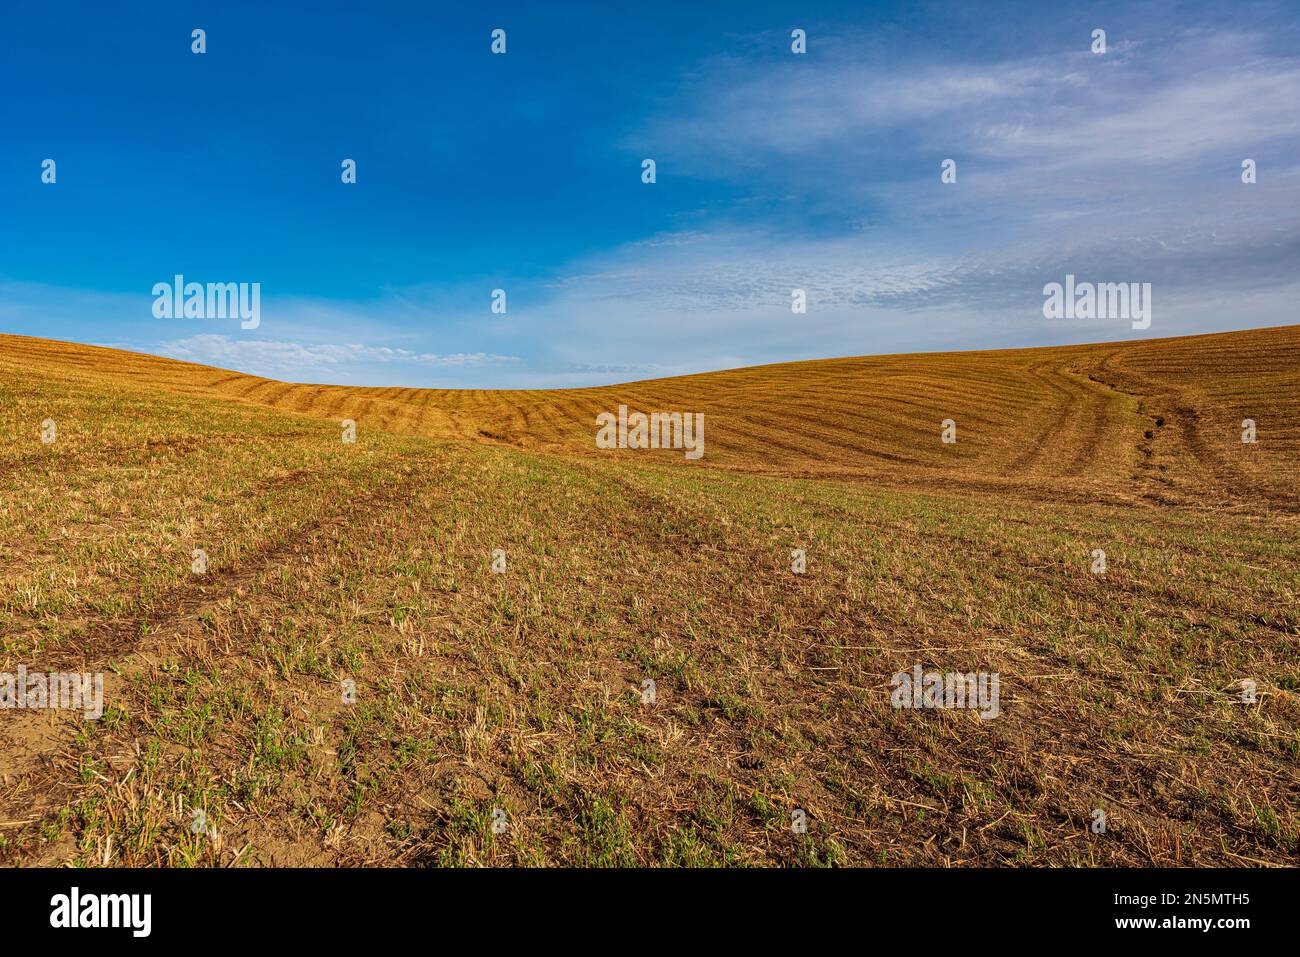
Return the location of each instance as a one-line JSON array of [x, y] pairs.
[[522, 691]]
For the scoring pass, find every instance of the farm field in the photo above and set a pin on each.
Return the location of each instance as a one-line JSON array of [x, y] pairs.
[[478, 692]]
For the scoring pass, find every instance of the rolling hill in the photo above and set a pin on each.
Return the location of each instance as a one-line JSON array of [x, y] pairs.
[[518, 693], [1070, 418]]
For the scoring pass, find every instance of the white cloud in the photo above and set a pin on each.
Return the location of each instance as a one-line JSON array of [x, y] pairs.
[[269, 357], [844, 130]]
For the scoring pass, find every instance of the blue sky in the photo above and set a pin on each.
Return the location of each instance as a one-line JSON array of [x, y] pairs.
[[523, 172]]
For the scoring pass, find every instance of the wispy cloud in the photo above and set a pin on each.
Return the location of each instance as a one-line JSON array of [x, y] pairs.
[[1118, 167], [1169, 96], [271, 357]]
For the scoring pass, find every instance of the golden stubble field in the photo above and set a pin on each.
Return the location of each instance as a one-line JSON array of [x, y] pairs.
[[500, 718]]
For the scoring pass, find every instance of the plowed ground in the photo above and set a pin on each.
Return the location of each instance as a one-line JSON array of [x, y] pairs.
[[521, 691]]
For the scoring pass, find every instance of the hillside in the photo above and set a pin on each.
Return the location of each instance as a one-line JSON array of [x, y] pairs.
[[1070, 419], [521, 691]]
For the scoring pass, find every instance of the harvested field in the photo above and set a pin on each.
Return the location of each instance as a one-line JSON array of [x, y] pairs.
[[522, 691]]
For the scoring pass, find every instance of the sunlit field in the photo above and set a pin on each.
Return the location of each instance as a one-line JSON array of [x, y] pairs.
[[354, 679]]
